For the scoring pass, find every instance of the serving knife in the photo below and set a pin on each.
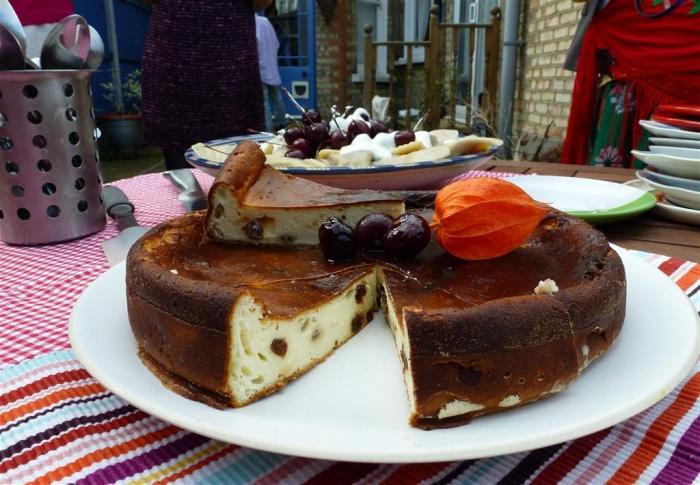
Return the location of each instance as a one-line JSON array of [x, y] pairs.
[[191, 194], [121, 209]]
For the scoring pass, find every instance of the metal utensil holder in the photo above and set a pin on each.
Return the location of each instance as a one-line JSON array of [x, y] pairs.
[[50, 183]]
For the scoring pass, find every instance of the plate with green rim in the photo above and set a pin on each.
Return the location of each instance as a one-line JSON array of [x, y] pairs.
[[595, 201]]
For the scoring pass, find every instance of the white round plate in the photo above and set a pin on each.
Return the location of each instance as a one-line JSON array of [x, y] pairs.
[[419, 175], [672, 165], [680, 182], [666, 209], [353, 406], [596, 201], [669, 131], [675, 142], [676, 195], [682, 152]]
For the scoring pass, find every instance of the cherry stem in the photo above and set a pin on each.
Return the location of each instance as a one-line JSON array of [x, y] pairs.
[[420, 120], [291, 98], [334, 115]]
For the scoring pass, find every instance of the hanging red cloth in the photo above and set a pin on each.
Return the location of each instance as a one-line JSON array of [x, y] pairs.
[[658, 57]]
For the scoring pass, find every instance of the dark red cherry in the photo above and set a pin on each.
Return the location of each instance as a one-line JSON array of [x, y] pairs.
[[296, 154], [338, 140], [337, 240], [376, 127], [408, 236], [303, 145], [403, 137], [316, 133], [371, 230], [292, 133], [311, 116], [357, 127]]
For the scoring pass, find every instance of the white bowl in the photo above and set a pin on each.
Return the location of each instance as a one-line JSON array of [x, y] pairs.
[[666, 209], [678, 166], [676, 195], [682, 152], [675, 142], [419, 175]]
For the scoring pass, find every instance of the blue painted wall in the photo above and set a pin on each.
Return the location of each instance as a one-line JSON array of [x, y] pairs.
[[131, 17]]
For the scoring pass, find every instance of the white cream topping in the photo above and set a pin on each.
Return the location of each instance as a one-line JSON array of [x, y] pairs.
[[457, 407], [546, 287], [510, 400]]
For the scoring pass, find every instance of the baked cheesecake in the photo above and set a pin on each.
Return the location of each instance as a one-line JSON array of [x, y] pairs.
[[253, 203], [228, 324]]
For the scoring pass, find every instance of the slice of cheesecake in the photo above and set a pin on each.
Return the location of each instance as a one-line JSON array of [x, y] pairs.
[[255, 204]]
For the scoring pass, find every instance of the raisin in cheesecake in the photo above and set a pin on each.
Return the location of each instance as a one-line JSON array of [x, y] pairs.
[[252, 203]]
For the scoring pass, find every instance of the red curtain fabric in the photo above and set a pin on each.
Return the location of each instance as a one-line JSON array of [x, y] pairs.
[[659, 57], [36, 12]]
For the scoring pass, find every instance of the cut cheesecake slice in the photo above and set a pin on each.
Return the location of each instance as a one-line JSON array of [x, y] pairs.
[[253, 203]]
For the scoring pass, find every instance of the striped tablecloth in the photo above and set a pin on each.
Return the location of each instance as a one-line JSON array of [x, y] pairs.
[[57, 424]]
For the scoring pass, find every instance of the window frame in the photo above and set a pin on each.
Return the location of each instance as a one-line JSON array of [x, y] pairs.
[[380, 35]]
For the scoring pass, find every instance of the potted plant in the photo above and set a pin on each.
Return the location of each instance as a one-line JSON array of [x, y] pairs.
[[123, 128]]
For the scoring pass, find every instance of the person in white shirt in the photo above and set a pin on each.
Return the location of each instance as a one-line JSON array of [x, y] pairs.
[[268, 44]]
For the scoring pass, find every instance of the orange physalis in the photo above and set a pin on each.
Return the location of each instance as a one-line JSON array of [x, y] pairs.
[[484, 218]]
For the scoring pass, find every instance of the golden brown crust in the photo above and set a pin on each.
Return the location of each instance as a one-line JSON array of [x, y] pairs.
[[468, 323]]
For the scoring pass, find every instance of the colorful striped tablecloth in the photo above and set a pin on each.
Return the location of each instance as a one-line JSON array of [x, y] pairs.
[[59, 425]]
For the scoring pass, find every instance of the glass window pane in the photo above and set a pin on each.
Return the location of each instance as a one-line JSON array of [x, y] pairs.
[[366, 14]]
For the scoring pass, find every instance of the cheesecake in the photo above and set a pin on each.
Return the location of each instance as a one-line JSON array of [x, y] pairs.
[[252, 203], [228, 324]]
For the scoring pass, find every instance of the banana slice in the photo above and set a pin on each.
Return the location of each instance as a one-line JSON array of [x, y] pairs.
[[407, 148]]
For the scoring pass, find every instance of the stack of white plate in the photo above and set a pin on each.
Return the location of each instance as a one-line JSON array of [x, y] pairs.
[[673, 170]]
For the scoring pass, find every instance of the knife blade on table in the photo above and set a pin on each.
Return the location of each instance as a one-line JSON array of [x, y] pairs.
[[121, 209], [191, 194]]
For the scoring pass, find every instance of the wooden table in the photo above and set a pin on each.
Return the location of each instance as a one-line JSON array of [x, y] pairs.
[[645, 233]]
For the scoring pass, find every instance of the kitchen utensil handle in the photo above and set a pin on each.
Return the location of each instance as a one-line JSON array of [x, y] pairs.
[[183, 179], [118, 207]]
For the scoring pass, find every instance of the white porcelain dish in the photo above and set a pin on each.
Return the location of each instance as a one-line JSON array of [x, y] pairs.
[[680, 167], [676, 195], [353, 406], [675, 142], [680, 182], [666, 209], [668, 131], [596, 201], [420, 175], [682, 152]]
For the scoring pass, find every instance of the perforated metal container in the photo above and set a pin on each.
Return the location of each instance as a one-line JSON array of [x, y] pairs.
[[50, 183]]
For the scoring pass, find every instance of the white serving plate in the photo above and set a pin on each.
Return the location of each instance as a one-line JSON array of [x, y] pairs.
[[679, 196], [682, 152], [420, 175], [668, 131], [666, 209], [675, 142], [596, 201], [680, 167], [353, 406], [679, 182]]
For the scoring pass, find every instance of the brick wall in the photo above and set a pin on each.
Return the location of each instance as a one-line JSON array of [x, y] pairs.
[[336, 59], [543, 90]]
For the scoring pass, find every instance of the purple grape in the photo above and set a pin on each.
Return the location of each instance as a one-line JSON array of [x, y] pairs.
[[357, 127], [408, 236], [371, 230], [376, 127], [311, 116], [304, 146], [316, 133], [292, 133], [337, 240], [339, 140], [403, 137], [296, 154]]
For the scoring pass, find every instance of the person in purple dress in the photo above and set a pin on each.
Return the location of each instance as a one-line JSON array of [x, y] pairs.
[[200, 76]]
